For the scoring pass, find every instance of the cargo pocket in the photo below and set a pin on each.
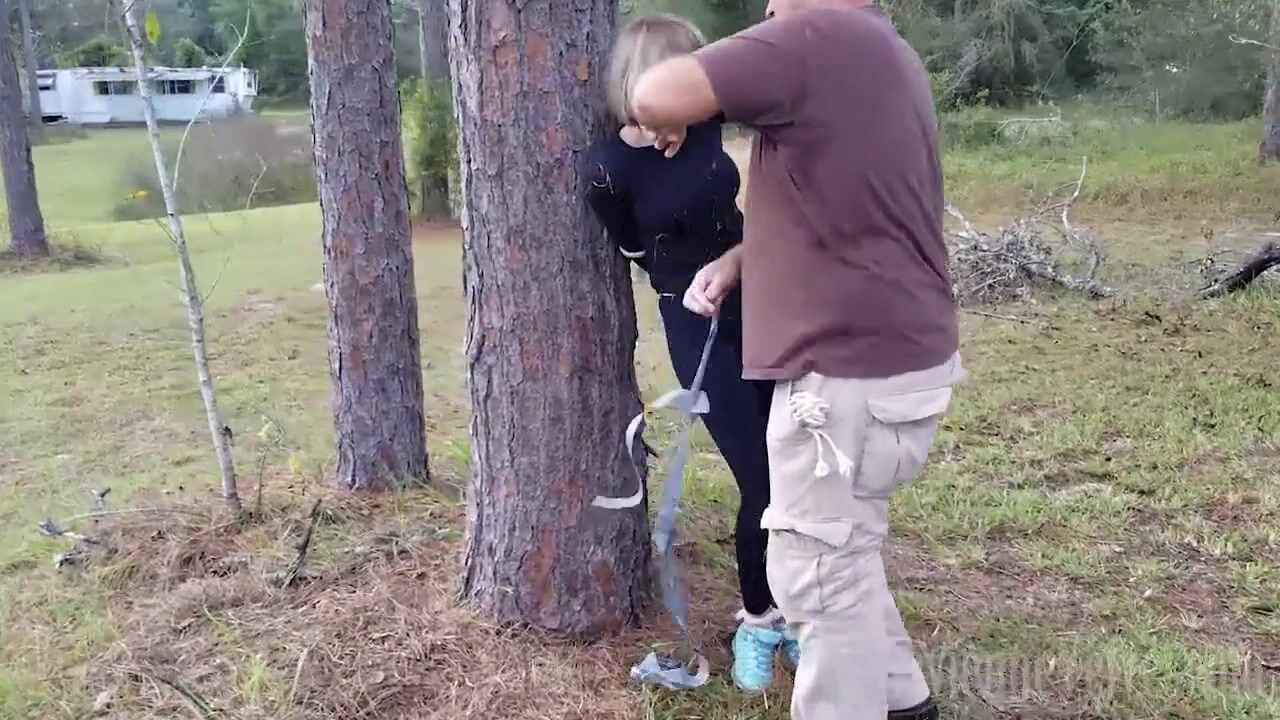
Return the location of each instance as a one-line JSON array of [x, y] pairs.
[[795, 557], [900, 431], [810, 479]]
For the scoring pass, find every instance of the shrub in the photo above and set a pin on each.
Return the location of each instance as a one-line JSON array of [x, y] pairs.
[[943, 86], [431, 141], [232, 164], [969, 128]]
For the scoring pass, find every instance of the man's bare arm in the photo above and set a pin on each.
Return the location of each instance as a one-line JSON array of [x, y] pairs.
[[673, 95]]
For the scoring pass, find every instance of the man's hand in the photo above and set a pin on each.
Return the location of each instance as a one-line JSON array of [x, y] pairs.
[[669, 141], [713, 283]]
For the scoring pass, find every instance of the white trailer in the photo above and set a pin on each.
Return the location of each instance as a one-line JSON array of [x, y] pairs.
[[109, 96]]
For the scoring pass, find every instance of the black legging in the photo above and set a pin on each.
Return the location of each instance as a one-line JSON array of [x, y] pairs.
[[737, 420]]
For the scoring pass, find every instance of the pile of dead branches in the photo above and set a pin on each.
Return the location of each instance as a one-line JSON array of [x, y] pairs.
[[1044, 247]]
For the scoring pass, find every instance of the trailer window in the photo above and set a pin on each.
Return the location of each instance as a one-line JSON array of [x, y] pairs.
[[114, 87], [219, 85], [47, 83], [175, 87]]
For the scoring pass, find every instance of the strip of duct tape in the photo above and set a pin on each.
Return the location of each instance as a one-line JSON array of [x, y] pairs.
[[622, 503], [670, 673]]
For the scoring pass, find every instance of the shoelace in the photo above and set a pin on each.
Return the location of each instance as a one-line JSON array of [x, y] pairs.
[[810, 412], [762, 649]]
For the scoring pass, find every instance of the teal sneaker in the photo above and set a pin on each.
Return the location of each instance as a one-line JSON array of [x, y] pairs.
[[790, 645], [754, 647]]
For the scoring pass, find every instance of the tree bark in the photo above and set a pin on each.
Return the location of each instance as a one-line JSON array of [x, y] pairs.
[[1269, 149], [374, 357], [433, 48], [551, 334], [29, 59], [26, 223]]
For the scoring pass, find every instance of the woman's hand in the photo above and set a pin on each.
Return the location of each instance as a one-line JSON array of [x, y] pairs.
[[713, 283]]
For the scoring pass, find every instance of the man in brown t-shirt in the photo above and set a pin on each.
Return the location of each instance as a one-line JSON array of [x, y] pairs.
[[847, 303]]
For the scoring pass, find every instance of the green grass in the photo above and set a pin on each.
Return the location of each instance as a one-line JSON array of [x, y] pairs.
[[1137, 170], [1100, 514]]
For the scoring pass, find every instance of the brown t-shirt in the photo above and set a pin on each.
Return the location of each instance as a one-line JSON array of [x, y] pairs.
[[844, 266]]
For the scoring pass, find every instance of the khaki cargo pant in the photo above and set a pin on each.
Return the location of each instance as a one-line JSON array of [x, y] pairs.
[[838, 449]]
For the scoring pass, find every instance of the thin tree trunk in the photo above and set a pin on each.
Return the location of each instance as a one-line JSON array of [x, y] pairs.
[[433, 48], [219, 433], [29, 58], [551, 325], [1269, 149], [26, 223], [368, 258], [433, 39]]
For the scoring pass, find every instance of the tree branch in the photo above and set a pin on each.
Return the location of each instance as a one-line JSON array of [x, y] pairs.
[[1244, 275], [1250, 41], [208, 93]]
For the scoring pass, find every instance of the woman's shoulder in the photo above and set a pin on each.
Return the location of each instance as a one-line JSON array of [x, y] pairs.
[[606, 155]]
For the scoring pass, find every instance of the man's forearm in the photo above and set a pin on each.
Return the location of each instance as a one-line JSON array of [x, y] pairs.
[[673, 94]]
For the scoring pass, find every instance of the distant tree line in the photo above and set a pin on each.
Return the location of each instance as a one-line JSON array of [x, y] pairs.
[[1182, 58]]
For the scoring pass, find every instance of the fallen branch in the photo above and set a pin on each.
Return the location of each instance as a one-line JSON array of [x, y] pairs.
[[1250, 41], [1243, 275], [294, 573], [51, 529], [1010, 318], [131, 511], [199, 708]]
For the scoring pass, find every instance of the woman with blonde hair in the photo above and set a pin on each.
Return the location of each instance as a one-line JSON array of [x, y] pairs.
[[670, 216]]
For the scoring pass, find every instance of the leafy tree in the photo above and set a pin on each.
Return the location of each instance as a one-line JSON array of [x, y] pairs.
[[187, 54], [1178, 57], [275, 45], [101, 51]]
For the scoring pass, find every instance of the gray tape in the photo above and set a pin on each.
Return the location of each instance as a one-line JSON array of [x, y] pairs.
[[662, 670], [656, 669]]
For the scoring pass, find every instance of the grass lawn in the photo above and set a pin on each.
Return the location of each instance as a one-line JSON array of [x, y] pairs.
[[1097, 536]]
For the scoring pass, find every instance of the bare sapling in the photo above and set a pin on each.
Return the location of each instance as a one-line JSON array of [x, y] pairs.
[[219, 433]]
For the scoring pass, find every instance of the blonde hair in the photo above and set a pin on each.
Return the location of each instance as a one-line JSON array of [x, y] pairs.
[[643, 43]]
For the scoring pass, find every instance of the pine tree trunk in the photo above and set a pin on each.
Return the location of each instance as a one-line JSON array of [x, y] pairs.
[[551, 334], [26, 223], [1270, 146], [433, 39], [374, 357], [433, 47], [29, 59]]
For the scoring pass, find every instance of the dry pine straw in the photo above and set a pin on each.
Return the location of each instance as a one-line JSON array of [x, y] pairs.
[[373, 631]]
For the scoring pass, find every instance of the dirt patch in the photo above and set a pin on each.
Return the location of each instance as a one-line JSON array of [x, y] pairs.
[[1000, 587], [424, 231], [254, 311]]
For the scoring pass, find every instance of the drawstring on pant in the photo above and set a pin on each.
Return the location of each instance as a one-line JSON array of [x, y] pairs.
[[810, 412]]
